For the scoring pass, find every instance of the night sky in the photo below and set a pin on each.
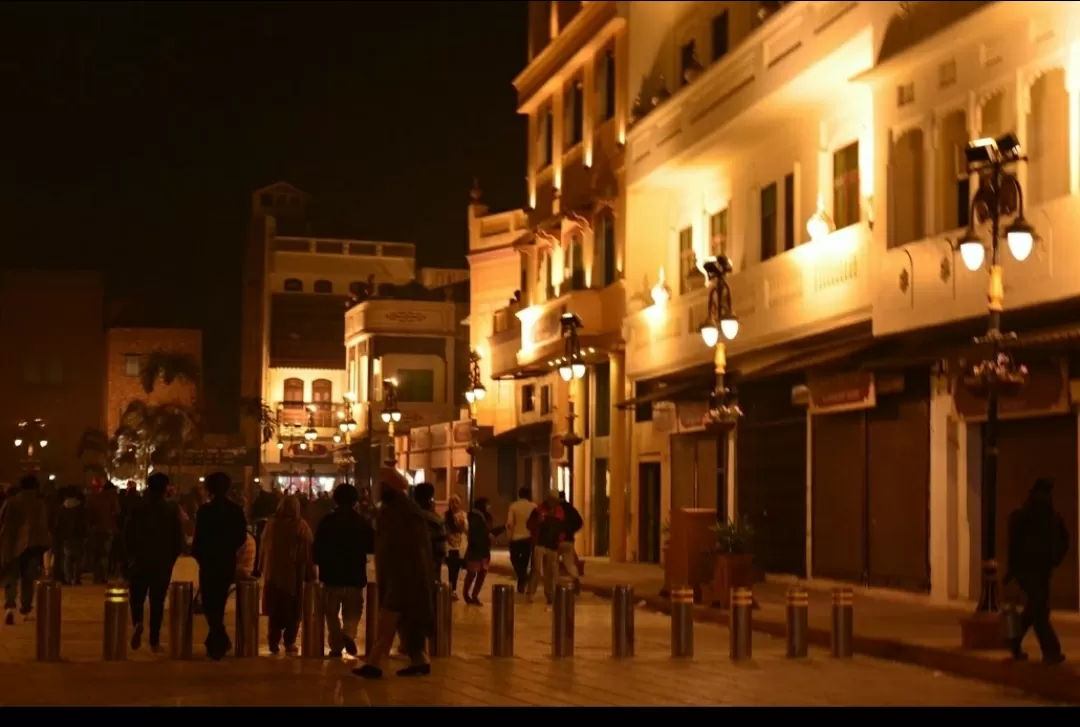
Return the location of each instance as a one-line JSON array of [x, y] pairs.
[[136, 132]]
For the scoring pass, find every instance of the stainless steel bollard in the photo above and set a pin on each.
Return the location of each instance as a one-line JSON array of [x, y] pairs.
[[562, 619], [181, 595], [682, 623], [442, 639], [622, 622], [48, 594], [115, 640], [313, 637], [798, 622], [502, 621], [843, 625], [247, 619], [740, 626], [371, 620]]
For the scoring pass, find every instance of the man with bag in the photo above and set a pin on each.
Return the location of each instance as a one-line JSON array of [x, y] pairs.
[[1038, 542]]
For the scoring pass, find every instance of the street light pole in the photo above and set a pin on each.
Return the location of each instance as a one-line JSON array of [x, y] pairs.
[[991, 159], [391, 415], [473, 395], [571, 368]]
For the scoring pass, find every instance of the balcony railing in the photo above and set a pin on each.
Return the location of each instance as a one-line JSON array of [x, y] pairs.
[[296, 413]]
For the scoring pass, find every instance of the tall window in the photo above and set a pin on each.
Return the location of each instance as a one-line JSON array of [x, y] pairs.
[[574, 115], [718, 232], [768, 222], [544, 274], [789, 212], [294, 285], [690, 278], [577, 262], [544, 137], [322, 396], [720, 36], [524, 282], [416, 385], [545, 400], [605, 246], [132, 364], [528, 398], [846, 186], [643, 410], [605, 87], [324, 286], [602, 427]]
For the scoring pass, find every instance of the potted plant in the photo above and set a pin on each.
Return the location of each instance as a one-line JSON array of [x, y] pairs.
[[732, 559], [1000, 375]]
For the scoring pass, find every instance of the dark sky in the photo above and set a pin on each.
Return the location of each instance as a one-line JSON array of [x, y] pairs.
[[136, 132]]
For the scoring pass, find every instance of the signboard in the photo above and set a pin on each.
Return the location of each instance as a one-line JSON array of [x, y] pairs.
[[691, 415], [224, 457], [664, 419], [844, 392]]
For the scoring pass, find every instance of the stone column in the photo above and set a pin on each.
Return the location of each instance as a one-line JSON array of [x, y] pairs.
[[618, 462]]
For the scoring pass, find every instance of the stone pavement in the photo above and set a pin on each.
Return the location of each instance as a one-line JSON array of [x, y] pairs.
[[471, 677], [901, 628]]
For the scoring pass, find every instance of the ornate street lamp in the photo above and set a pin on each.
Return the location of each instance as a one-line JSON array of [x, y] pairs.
[[476, 391], [28, 436], [722, 325], [999, 195], [474, 394], [391, 415], [571, 368], [346, 427]]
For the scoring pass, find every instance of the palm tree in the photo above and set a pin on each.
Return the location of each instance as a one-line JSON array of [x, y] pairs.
[[151, 436], [169, 366], [259, 411]]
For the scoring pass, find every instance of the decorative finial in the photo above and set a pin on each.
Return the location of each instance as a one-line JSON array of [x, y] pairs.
[[476, 195]]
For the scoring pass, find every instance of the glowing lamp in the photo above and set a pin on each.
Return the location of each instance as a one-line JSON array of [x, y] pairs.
[[729, 326], [710, 334], [1021, 237]]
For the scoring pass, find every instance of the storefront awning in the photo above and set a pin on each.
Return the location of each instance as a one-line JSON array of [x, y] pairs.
[[529, 433], [696, 389], [806, 359]]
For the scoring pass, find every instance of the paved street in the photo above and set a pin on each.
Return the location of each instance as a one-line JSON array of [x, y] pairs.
[[471, 677]]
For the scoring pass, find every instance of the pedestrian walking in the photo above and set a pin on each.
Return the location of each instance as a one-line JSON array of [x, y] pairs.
[[153, 540], [482, 532], [286, 567], [1038, 543], [550, 534], [220, 531], [342, 544], [69, 531], [24, 539], [521, 539], [424, 494], [456, 527], [403, 567], [103, 510]]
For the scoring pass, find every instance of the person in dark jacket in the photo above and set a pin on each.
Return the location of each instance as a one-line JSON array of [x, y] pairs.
[[153, 540], [478, 551], [1038, 543], [69, 536], [220, 531], [342, 545], [424, 494]]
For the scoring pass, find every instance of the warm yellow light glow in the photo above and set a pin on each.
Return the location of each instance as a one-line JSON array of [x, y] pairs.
[[350, 396], [528, 318], [710, 334], [18, 442], [661, 293], [392, 381], [972, 253], [44, 442], [820, 225], [729, 327], [1020, 244]]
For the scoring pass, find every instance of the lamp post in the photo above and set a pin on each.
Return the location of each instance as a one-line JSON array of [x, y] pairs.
[[28, 436], [474, 394], [999, 195], [571, 368], [391, 415], [723, 325], [290, 429], [346, 427]]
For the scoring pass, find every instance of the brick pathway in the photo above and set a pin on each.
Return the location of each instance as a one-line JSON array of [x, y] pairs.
[[471, 677]]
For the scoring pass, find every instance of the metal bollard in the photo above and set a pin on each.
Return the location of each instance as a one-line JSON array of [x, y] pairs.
[[48, 595], [247, 619], [313, 637], [682, 623], [502, 621], [115, 641], [842, 622], [622, 622], [371, 620], [741, 623], [181, 594], [444, 622], [562, 619], [798, 622]]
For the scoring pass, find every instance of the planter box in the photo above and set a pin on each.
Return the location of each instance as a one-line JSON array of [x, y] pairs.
[[730, 571]]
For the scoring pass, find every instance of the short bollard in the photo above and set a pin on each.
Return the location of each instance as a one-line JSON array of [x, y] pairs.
[[741, 625], [562, 620], [48, 595], [247, 619], [115, 641], [682, 623], [622, 622], [180, 619], [798, 622], [371, 620], [313, 623], [842, 622], [502, 621], [444, 622]]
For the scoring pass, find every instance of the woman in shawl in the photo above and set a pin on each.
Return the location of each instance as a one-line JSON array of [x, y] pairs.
[[456, 525], [285, 566]]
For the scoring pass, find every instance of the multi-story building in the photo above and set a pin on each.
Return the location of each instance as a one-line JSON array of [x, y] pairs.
[[296, 288], [561, 255], [821, 147], [52, 370]]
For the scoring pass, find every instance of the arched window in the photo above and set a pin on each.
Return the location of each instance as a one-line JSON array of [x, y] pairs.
[[324, 286], [294, 285], [322, 396], [294, 391], [292, 402]]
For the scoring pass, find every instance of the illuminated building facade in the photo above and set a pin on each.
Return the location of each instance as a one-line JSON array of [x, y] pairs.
[[821, 147]]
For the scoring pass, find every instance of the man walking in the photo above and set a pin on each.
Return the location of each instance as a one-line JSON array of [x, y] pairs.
[[220, 531], [1038, 542], [342, 545], [153, 540], [521, 539], [24, 539]]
